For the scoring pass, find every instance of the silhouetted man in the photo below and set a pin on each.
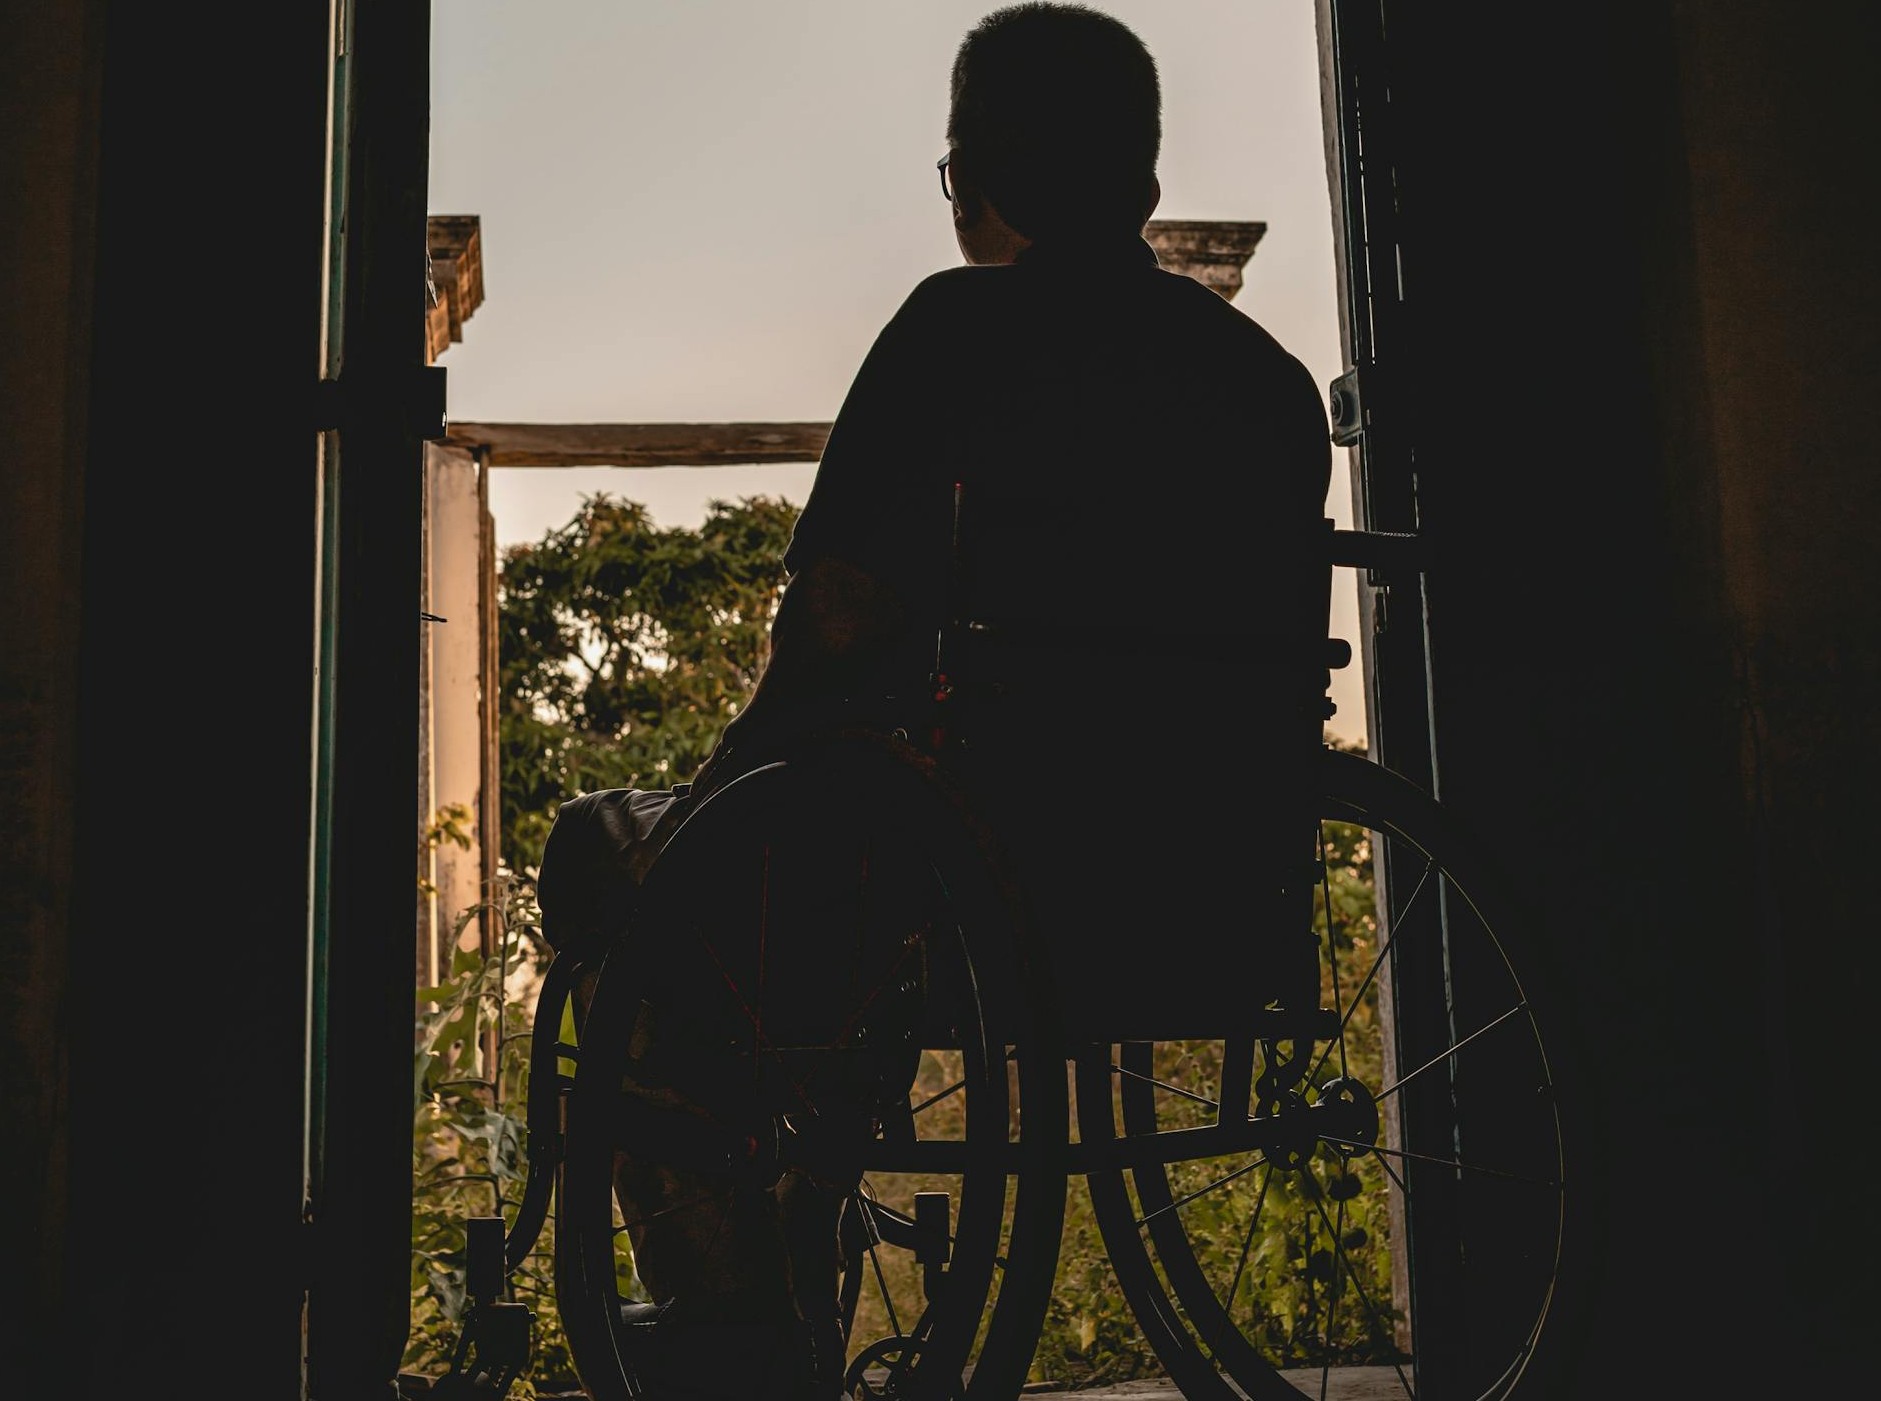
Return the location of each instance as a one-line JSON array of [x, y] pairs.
[[1119, 477]]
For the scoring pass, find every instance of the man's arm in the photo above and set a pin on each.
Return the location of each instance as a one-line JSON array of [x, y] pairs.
[[867, 536], [832, 617]]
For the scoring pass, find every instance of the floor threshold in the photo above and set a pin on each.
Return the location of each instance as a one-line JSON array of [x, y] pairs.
[[1341, 1384]]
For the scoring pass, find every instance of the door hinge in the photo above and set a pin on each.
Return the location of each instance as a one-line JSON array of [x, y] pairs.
[[1347, 403]]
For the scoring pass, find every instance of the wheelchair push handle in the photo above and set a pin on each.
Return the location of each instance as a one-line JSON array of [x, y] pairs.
[[1381, 551]]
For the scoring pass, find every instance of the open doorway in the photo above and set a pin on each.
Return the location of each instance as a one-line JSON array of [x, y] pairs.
[[704, 216]]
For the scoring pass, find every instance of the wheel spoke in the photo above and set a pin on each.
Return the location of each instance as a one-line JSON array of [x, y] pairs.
[[1377, 1314], [754, 1016], [1371, 973], [1247, 1243], [1459, 1164], [760, 1045], [1165, 1085], [1332, 1305], [1332, 960], [1385, 1163], [758, 1038], [665, 1211], [1443, 1056], [859, 948], [881, 1280], [955, 1088], [938, 1096], [1218, 1183]]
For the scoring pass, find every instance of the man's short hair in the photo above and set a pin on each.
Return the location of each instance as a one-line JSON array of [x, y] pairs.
[[1058, 109]]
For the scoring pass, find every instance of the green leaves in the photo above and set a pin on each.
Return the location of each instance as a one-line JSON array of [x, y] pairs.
[[470, 1140], [625, 648]]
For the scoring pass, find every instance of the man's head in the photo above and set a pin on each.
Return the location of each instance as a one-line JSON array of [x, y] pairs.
[[1056, 119]]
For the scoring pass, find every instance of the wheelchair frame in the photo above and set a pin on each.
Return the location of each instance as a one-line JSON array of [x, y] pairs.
[[1420, 1178]]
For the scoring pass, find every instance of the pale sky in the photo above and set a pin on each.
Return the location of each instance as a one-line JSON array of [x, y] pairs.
[[704, 210]]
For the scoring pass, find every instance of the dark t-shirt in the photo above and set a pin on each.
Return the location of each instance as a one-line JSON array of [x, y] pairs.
[[1140, 472], [1133, 452]]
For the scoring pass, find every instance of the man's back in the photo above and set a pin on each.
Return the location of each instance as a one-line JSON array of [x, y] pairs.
[[1119, 480], [1133, 453]]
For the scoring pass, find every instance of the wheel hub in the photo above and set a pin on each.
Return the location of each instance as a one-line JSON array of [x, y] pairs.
[[1346, 1116]]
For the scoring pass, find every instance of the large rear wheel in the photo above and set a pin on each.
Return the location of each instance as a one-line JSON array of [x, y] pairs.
[[1387, 1193]]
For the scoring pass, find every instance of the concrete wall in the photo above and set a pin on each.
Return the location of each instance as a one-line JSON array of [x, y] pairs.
[[453, 707]]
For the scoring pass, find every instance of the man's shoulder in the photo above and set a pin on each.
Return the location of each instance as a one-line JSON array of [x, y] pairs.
[[1233, 338], [1128, 294], [1201, 305], [1158, 306], [949, 313], [949, 288]]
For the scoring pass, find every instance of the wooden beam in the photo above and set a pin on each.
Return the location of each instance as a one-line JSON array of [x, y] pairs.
[[640, 444], [1213, 252]]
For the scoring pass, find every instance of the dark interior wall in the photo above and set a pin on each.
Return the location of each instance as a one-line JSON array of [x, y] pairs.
[[48, 116], [1787, 327], [158, 547], [1645, 414]]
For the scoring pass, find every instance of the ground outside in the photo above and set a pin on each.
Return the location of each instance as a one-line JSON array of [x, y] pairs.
[[1340, 1384]]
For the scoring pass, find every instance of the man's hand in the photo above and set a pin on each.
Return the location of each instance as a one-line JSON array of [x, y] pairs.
[[832, 613]]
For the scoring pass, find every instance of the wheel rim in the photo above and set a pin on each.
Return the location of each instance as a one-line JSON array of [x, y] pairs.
[[934, 995], [1433, 1147]]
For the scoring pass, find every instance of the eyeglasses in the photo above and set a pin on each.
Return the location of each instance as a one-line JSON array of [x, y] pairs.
[[941, 165]]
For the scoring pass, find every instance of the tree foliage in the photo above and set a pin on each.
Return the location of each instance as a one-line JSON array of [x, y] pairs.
[[470, 1143], [624, 648]]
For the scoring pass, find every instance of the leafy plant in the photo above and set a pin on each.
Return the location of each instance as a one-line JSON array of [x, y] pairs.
[[469, 1140], [623, 649], [449, 824]]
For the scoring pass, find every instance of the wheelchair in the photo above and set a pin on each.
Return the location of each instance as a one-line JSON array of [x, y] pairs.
[[1318, 1131]]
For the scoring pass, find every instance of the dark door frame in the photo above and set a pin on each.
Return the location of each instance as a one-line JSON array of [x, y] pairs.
[[376, 404]]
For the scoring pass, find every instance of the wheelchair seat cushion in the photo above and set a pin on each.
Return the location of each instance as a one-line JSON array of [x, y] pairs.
[[596, 855]]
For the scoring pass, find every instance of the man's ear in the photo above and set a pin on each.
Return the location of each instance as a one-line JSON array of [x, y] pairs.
[[969, 207], [1155, 198], [969, 203]]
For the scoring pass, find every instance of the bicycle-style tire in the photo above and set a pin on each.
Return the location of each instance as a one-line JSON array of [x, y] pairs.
[[837, 915], [1420, 1229]]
